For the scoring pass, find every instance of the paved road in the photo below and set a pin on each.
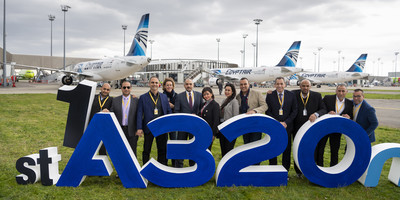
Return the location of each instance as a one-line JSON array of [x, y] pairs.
[[387, 110]]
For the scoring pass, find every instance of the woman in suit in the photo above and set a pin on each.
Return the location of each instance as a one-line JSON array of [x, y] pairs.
[[168, 88], [229, 108], [210, 111]]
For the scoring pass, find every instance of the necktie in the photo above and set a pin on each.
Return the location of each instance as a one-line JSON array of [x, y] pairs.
[[190, 100], [280, 96]]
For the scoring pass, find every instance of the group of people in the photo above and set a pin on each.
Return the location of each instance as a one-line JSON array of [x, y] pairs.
[[291, 108]]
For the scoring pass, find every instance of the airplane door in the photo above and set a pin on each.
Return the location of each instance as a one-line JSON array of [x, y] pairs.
[[117, 65]]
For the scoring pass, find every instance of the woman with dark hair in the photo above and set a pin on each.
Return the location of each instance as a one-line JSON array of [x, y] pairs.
[[210, 111], [168, 88], [229, 108]]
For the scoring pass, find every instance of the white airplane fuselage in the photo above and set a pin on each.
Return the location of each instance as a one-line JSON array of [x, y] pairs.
[[258, 74], [111, 68], [333, 77]]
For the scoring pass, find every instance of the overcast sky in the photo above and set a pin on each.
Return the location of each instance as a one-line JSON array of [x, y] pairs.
[[188, 29]]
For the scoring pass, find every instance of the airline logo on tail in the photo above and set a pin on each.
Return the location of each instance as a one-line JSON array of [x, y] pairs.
[[358, 66], [290, 58], [139, 43]]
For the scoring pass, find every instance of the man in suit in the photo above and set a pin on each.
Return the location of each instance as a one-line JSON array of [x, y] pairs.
[[282, 106], [188, 101], [335, 105], [152, 104], [250, 102], [102, 103], [310, 107], [124, 108], [364, 114]]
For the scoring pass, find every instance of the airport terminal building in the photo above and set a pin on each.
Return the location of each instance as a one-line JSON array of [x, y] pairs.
[[178, 69]]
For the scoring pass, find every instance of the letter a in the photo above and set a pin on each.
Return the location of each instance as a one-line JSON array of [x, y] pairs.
[[84, 161]]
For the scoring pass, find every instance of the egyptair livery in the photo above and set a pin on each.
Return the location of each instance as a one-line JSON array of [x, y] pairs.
[[110, 69], [286, 67], [353, 73]]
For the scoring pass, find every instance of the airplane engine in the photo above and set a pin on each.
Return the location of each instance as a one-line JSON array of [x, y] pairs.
[[213, 81], [65, 79], [294, 82]]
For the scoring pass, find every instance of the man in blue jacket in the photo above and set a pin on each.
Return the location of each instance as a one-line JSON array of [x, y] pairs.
[[364, 114], [151, 105]]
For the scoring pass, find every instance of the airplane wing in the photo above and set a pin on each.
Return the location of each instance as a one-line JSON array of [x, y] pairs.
[[67, 72]]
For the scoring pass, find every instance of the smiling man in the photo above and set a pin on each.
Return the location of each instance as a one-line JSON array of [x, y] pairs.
[[152, 104], [364, 114]]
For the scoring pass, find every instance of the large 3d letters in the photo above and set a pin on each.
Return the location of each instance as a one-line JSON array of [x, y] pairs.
[[234, 168], [194, 149], [381, 153], [80, 99], [352, 165], [104, 127]]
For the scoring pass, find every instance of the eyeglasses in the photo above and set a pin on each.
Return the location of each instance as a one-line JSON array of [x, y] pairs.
[[126, 87], [357, 96]]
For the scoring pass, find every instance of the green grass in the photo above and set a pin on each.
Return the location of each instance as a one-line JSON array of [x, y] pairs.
[[30, 122]]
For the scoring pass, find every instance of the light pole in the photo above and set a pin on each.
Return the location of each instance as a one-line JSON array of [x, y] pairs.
[[315, 61], [4, 45], [254, 45], [218, 40], [244, 49], [241, 53], [338, 61], [51, 18], [343, 63], [124, 27], [257, 22], [379, 60], [395, 66], [64, 8], [151, 46], [319, 58]]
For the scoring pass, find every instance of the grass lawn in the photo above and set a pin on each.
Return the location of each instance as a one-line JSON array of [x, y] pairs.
[[30, 122]]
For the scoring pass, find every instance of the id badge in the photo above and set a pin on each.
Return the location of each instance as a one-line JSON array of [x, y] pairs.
[[155, 111], [304, 112], [281, 111]]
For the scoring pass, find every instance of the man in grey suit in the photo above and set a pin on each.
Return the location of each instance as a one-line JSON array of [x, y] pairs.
[[188, 101], [124, 108]]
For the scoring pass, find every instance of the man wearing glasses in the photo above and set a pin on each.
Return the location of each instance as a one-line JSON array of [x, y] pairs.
[[124, 108], [102, 103], [364, 114]]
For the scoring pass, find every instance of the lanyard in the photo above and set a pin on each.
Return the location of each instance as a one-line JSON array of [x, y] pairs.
[[187, 96], [126, 106], [283, 98], [101, 105], [356, 108], [338, 110], [155, 102], [302, 99]]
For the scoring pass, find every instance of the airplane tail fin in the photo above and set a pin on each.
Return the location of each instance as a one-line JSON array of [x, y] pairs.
[[358, 66], [290, 58], [139, 43]]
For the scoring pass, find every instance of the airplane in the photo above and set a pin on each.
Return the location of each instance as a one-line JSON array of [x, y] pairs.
[[26, 74], [286, 67], [353, 73], [110, 69]]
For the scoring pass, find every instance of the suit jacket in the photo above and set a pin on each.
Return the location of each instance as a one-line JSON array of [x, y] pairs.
[[255, 101], [211, 115], [145, 110], [289, 108], [367, 119], [330, 103], [117, 109], [230, 110], [96, 106], [182, 104], [314, 105]]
